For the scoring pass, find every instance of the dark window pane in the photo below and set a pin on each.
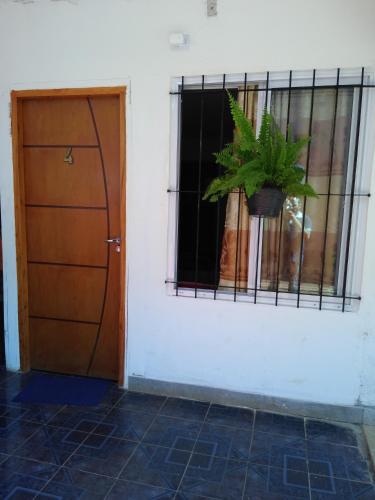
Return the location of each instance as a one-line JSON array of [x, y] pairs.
[[217, 130]]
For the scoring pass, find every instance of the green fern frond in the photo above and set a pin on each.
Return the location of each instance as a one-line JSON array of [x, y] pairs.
[[300, 190], [250, 163], [294, 149], [245, 136]]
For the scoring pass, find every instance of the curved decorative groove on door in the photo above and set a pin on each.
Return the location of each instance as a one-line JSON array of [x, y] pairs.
[[108, 237], [71, 166]]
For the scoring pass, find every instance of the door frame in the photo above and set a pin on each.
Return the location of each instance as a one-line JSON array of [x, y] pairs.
[[17, 96]]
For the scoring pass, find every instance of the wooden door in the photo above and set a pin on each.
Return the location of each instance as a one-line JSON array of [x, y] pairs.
[[70, 156]]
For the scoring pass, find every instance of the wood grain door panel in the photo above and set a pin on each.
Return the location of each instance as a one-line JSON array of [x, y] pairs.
[[51, 339], [107, 122], [64, 292], [70, 210], [57, 121], [68, 236], [51, 181], [103, 360]]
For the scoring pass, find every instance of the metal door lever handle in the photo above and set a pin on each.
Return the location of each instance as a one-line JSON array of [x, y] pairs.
[[114, 240]]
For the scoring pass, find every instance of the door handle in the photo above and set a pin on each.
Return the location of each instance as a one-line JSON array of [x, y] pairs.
[[117, 241]]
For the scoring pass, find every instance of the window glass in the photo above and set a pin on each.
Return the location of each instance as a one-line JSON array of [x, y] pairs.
[[327, 171], [301, 250], [200, 238]]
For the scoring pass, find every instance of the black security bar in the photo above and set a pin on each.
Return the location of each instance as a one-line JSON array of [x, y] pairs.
[[232, 85]]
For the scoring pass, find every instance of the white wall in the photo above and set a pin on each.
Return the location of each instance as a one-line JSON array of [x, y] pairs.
[[305, 354]]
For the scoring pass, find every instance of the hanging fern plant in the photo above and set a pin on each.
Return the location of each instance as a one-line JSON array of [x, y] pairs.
[[264, 167]]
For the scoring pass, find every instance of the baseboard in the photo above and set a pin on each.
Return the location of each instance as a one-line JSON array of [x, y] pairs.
[[340, 413]]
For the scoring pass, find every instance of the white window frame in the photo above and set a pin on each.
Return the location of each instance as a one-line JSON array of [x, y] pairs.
[[363, 177]]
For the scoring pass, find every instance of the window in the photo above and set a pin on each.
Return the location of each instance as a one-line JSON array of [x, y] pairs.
[[310, 255]]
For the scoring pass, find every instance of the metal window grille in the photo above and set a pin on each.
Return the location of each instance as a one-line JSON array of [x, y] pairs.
[[321, 300]]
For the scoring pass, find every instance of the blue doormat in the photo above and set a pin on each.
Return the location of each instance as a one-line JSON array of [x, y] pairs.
[[63, 390]]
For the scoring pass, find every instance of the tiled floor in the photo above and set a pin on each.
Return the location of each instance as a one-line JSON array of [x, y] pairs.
[[139, 447]]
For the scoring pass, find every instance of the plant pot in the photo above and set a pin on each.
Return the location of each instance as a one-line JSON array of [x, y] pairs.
[[267, 202]]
